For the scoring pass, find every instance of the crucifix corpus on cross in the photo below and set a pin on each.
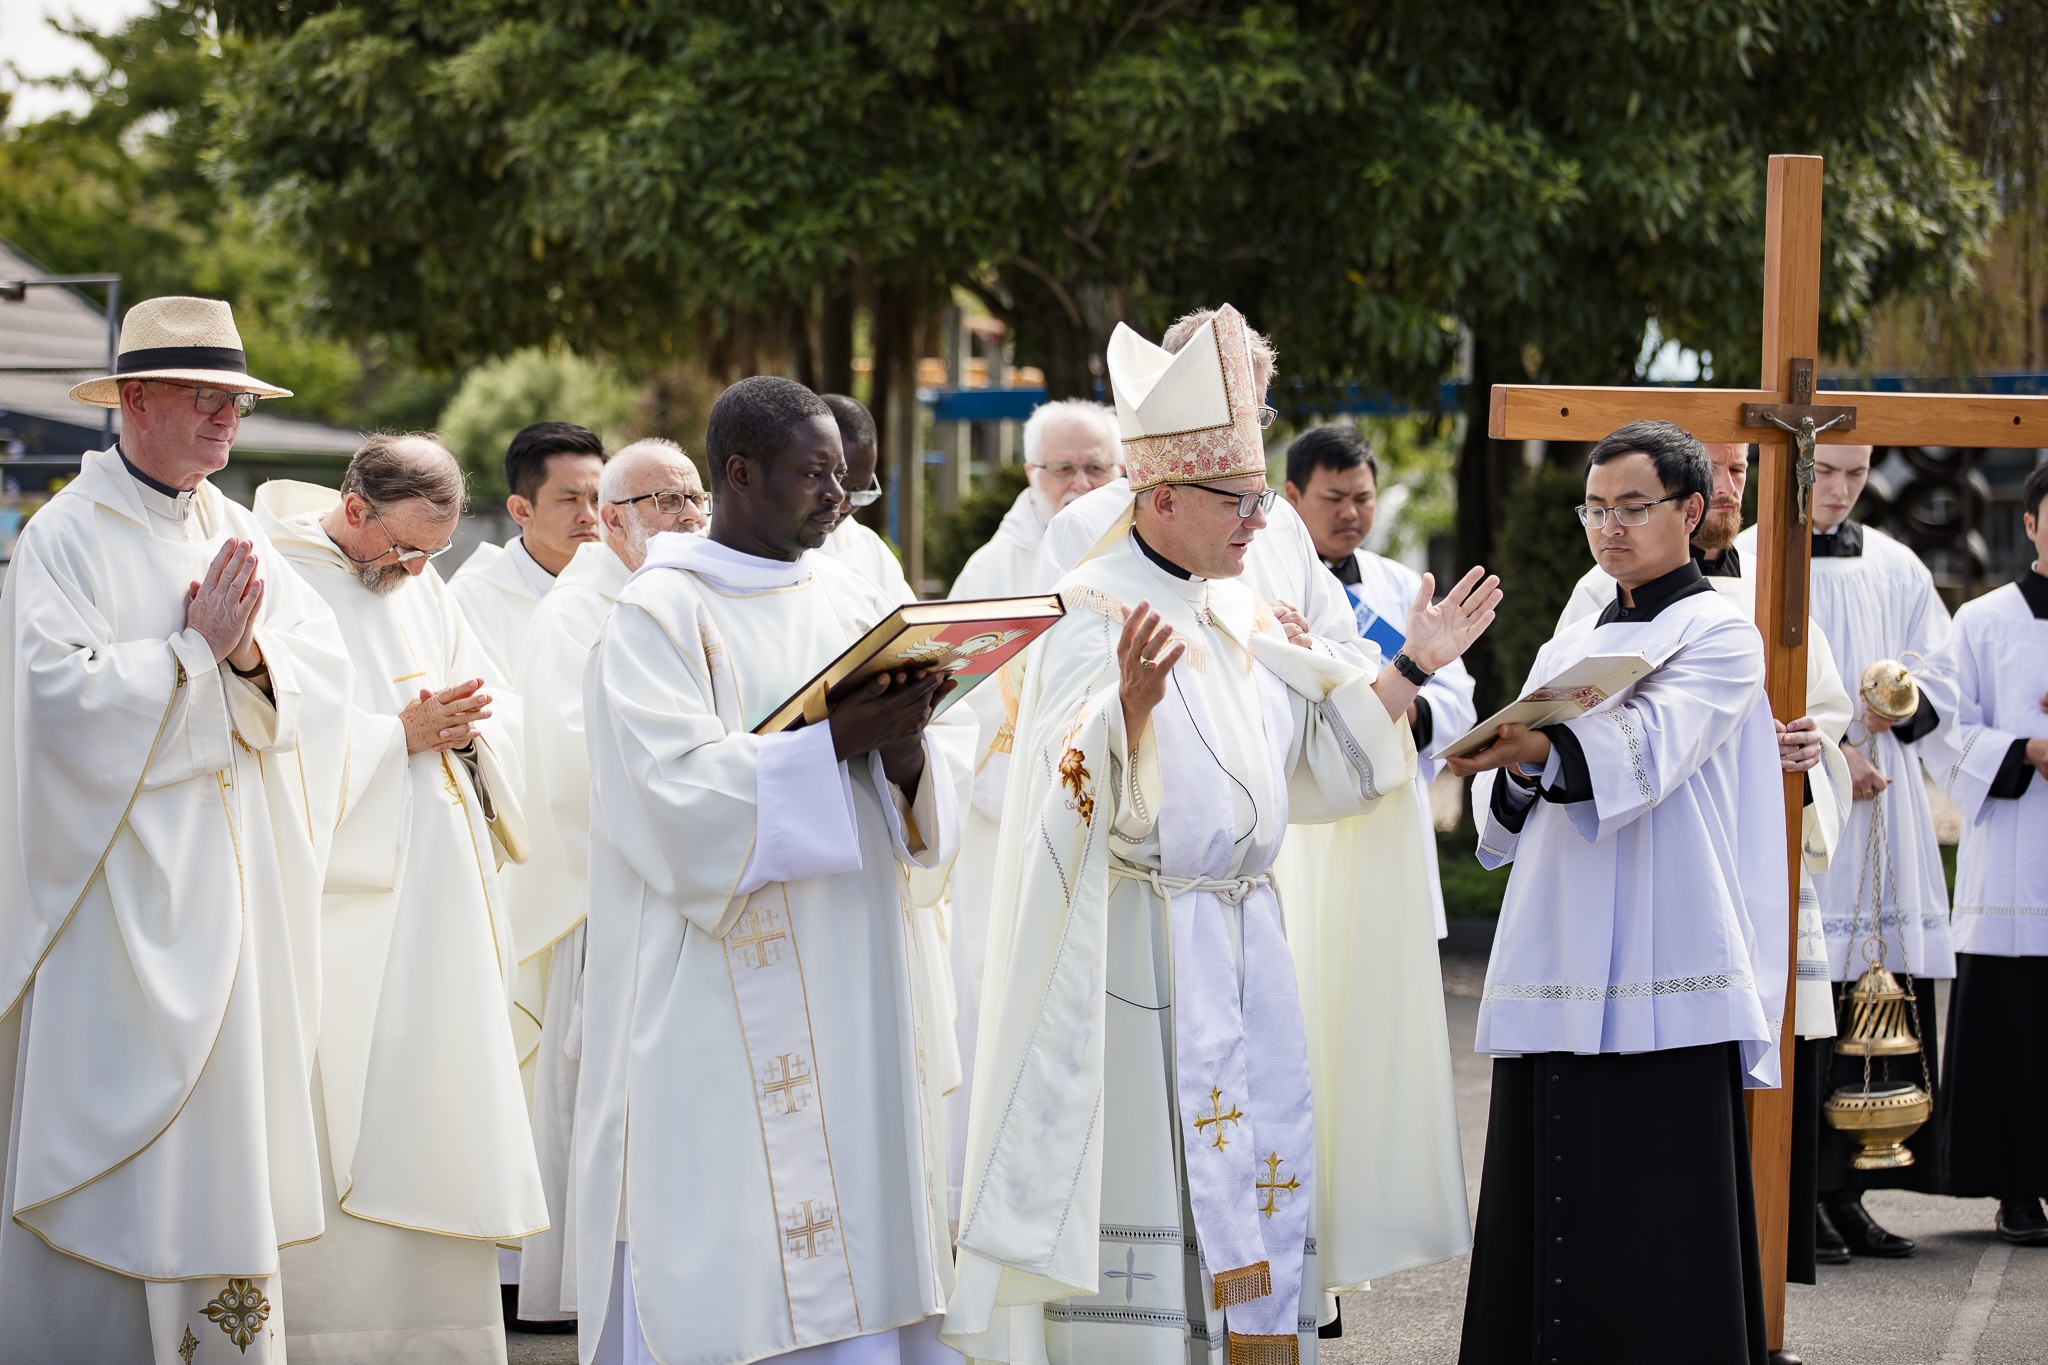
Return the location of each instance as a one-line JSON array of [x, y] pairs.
[[1783, 420]]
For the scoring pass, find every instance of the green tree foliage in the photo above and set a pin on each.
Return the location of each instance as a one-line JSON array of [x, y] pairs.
[[958, 534], [500, 398]]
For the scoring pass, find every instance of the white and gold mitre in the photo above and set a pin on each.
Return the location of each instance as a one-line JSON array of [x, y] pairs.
[[1188, 416]]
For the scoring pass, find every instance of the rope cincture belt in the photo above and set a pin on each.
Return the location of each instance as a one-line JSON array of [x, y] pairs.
[[1229, 890]]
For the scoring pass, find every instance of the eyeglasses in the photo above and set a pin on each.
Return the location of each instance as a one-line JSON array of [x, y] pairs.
[[210, 401], [669, 502], [1247, 503], [1626, 513], [866, 497], [1098, 473], [405, 555], [1267, 416]]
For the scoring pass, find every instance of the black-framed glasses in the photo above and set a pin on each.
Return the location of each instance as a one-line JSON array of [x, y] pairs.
[[1624, 513], [669, 501], [1247, 503], [400, 554], [1267, 416], [210, 401], [866, 497]]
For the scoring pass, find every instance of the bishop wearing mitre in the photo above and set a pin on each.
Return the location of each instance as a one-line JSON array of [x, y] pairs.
[[1142, 1150], [1391, 1188], [760, 1149], [648, 488], [173, 759], [1637, 981], [427, 1158]]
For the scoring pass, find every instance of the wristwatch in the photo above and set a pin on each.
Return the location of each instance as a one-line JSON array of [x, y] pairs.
[[1411, 670], [262, 667]]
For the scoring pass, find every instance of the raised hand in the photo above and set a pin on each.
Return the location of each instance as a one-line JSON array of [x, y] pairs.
[[223, 607], [887, 715], [1798, 744], [446, 719], [1145, 653], [1443, 632]]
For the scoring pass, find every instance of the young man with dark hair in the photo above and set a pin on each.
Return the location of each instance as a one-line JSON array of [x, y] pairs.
[[1637, 979], [1996, 1104], [552, 470], [756, 976], [850, 542], [1333, 482]]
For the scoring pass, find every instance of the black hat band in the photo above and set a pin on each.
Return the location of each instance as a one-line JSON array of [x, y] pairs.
[[226, 358]]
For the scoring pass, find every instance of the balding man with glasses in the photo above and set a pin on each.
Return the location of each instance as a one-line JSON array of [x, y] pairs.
[[428, 1154]]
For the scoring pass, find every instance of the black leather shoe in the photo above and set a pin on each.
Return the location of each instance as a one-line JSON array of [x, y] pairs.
[[1787, 1358], [1861, 1232], [2021, 1223], [1828, 1246]]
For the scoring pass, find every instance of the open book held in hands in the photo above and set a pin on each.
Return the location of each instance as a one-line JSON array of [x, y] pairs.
[[1569, 695], [971, 640]]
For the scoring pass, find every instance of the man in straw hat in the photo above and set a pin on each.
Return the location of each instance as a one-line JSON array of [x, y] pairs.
[[1143, 1019], [173, 751]]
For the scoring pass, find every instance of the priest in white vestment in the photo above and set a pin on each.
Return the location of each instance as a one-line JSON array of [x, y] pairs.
[[173, 756], [760, 1151], [1391, 1192], [552, 469], [647, 489], [429, 1161], [851, 543], [1142, 1156], [1638, 975], [1071, 447], [1809, 745], [1874, 599]]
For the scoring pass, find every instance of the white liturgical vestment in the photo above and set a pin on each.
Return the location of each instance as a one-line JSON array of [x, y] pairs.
[[1828, 788], [861, 550], [1650, 915], [1999, 658], [760, 1150], [1142, 1018], [164, 831], [430, 1156], [498, 587], [551, 892], [1881, 604]]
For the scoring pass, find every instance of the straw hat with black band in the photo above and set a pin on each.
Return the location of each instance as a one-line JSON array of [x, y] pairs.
[[178, 340]]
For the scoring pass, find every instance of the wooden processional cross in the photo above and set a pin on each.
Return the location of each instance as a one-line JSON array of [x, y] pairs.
[[1784, 421]]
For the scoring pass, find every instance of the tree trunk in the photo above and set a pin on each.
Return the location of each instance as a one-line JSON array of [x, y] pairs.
[[1052, 336], [835, 335], [892, 337], [1486, 473]]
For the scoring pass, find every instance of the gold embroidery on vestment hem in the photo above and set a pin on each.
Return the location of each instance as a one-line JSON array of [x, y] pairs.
[[187, 1346], [1244, 1284], [408, 677], [1249, 1349], [494, 1237], [240, 1310]]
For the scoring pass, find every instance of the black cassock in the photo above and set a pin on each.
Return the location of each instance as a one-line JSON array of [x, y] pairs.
[[1837, 1149], [1608, 1180], [1994, 1112]]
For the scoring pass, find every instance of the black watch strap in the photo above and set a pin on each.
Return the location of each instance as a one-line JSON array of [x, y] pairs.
[[262, 667], [1411, 670]]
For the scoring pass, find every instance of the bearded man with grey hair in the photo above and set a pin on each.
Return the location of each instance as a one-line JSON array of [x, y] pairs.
[[648, 489], [427, 1156]]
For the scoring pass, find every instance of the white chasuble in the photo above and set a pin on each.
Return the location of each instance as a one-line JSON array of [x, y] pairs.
[[498, 587], [757, 1129], [861, 550], [419, 1100], [1828, 790], [162, 844], [549, 893], [1650, 914], [1881, 604], [1144, 1069], [1999, 658]]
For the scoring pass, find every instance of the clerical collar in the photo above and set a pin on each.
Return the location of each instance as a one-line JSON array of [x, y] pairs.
[[1729, 565], [530, 571], [147, 482], [1346, 570], [1844, 542], [1657, 594], [2034, 588], [1161, 560]]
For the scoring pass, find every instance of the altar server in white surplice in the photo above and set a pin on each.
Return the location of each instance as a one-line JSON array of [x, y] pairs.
[[1638, 975], [851, 543], [552, 469], [429, 1156], [1142, 1021], [173, 756], [1333, 481], [648, 488], [1391, 1186], [1070, 448], [760, 1150], [1874, 599]]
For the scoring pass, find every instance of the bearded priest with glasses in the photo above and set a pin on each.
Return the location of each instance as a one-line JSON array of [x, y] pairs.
[[1142, 1148], [427, 1162]]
